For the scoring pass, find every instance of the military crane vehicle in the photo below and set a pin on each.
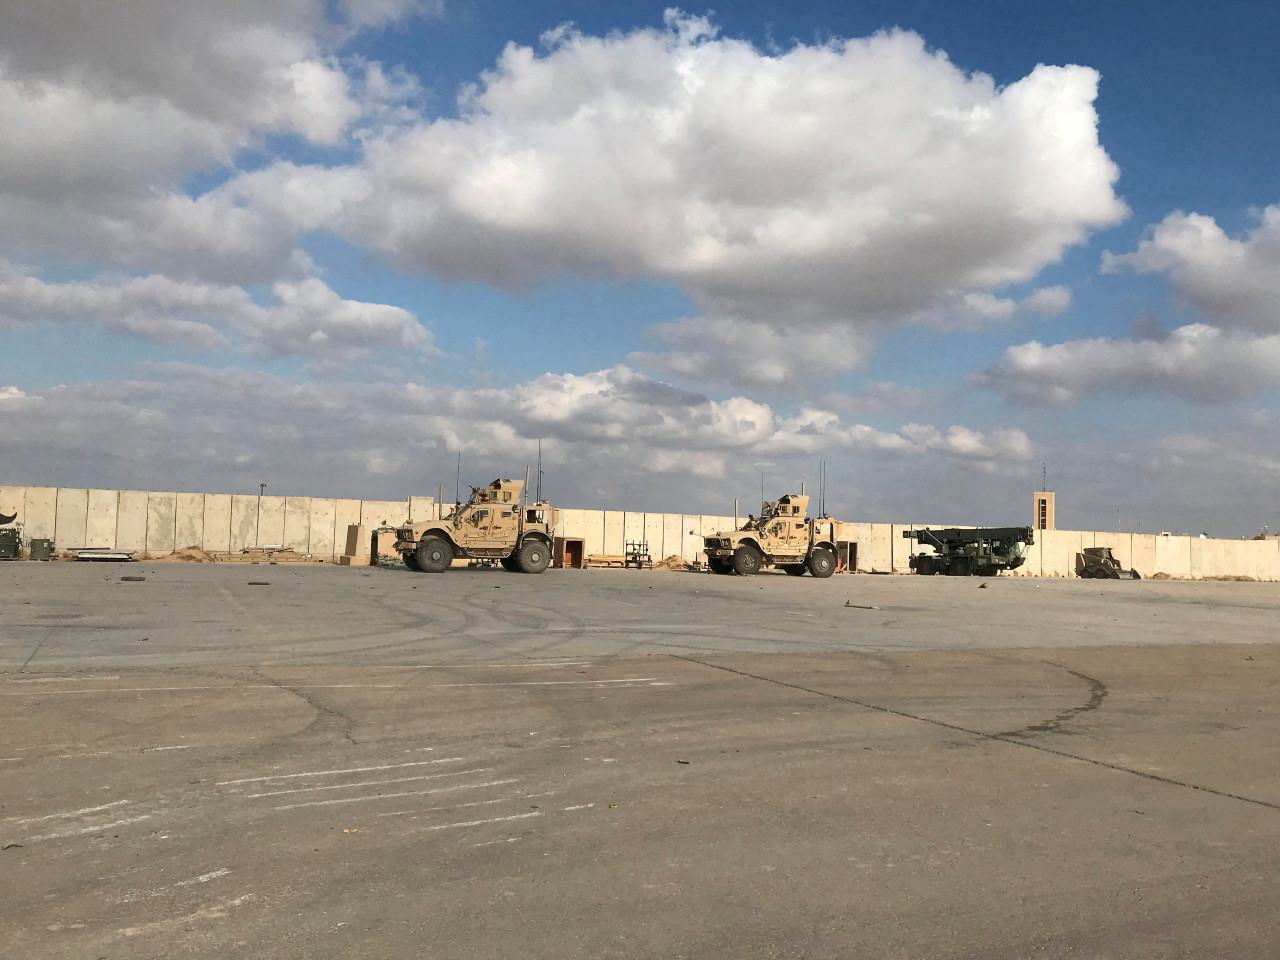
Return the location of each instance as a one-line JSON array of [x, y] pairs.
[[967, 552]]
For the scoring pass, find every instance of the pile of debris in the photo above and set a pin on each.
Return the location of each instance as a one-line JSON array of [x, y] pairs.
[[189, 555], [673, 562]]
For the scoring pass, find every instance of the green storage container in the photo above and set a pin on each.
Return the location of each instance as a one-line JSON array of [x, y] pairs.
[[10, 544], [41, 549]]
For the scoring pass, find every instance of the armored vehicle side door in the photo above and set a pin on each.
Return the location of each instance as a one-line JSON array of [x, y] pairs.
[[476, 525], [505, 525]]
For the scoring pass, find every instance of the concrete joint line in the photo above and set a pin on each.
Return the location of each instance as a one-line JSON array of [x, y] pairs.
[[998, 737]]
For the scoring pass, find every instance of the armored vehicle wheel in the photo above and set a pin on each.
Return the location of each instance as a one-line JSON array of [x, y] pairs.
[[747, 560], [411, 562], [925, 567], [822, 563], [533, 556], [719, 565], [434, 555], [794, 569], [509, 563], [962, 567]]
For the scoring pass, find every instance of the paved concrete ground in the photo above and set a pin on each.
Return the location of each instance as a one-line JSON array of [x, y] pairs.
[[342, 763]]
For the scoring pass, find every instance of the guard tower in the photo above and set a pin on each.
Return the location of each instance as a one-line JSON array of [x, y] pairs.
[[1042, 511]]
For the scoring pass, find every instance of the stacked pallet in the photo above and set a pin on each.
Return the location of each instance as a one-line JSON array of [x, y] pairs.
[[606, 560], [264, 555]]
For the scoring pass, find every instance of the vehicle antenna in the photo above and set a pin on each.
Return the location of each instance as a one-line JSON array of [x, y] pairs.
[[539, 497], [457, 494]]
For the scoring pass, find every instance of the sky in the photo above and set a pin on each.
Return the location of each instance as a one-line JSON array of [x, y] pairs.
[[948, 250]]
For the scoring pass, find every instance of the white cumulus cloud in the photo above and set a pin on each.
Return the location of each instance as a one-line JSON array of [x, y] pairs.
[[109, 108], [1195, 362], [1234, 283], [304, 318], [749, 353], [860, 181], [613, 427]]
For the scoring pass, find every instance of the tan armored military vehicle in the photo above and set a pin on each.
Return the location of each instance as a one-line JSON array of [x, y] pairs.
[[781, 536], [492, 525]]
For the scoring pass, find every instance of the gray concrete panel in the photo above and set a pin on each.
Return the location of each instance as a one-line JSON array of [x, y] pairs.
[[217, 522], [189, 521], [653, 536], [72, 518], [379, 513], [101, 522], [878, 557], [345, 513], [690, 535], [162, 517], [297, 524], [131, 521], [1173, 556], [633, 527], [1143, 553], [270, 525], [323, 542], [613, 528], [590, 527], [244, 521], [672, 536]]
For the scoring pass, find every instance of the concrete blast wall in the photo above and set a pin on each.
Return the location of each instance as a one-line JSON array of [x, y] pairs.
[[153, 524], [156, 523]]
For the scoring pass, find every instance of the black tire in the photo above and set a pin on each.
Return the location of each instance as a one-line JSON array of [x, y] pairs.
[[962, 567], [411, 562], [510, 564], [533, 556], [747, 561], [434, 554], [719, 565], [793, 569], [924, 567], [821, 563]]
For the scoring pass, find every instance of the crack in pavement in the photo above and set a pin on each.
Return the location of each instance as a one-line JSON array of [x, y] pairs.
[[322, 709], [1097, 693], [983, 735]]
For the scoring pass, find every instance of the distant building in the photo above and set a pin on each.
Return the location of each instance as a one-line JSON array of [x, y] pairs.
[[1042, 512]]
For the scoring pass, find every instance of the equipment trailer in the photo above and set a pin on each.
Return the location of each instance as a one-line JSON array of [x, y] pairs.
[[980, 551]]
